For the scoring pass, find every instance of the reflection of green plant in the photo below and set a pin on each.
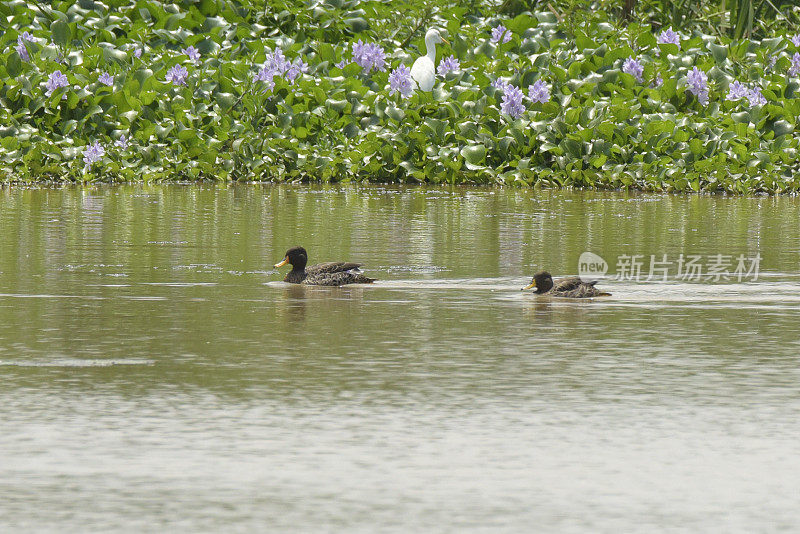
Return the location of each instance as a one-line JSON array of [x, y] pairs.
[[598, 126]]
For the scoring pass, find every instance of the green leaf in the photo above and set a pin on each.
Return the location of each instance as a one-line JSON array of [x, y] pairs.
[[474, 154], [61, 33], [719, 52]]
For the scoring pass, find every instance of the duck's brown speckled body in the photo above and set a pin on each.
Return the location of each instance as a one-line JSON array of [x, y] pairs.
[[565, 287], [334, 273]]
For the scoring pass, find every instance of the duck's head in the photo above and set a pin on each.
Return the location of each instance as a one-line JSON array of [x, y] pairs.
[[296, 257], [542, 281]]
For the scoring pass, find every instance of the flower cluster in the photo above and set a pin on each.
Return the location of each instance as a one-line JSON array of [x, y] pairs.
[[794, 70], [539, 92], [93, 153], [668, 36], [266, 74], [500, 83], [106, 79], [369, 56], [21, 49], [400, 81], [698, 85], [137, 53], [796, 40], [512, 102], [122, 142], [658, 82], [738, 90], [500, 34], [192, 52], [276, 64], [755, 97], [177, 75], [634, 68], [55, 81], [448, 64], [295, 69]]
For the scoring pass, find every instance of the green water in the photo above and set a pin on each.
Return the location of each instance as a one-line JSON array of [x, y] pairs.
[[156, 374]]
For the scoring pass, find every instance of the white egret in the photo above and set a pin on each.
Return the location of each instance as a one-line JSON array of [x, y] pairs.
[[424, 69]]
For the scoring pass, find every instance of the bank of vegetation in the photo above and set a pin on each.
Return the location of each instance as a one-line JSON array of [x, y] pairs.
[[677, 96]]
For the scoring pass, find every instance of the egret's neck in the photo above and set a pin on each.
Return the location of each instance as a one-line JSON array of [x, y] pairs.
[[430, 46]]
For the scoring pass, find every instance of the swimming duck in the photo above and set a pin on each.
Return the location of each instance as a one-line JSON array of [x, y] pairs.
[[566, 287], [335, 273]]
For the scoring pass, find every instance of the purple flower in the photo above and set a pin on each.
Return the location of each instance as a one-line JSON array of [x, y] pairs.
[[28, 37], [796, 40], [400, 81], [736, 90], [634, 68], [539, 92], [266, 74], [22, 50], [342, 64], [669, 37], [500, 34], [295, 69], [658, 82], [177, 75], [755, 97], [794, 70], [192, 52], [107, 79], [698, 84], [500, 83], [448, 64], [137, 53], [122, 142], [55, 81], [369, 56], [93, 153], [512, 102], [277, 62]]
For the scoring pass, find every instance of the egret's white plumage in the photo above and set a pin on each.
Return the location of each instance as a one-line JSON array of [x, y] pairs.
[[424, 69]]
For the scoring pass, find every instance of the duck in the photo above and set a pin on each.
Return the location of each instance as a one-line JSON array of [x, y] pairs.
[[334, 273], [574, 287]]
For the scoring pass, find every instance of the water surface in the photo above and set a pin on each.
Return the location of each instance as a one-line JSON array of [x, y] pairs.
[[157, 374]]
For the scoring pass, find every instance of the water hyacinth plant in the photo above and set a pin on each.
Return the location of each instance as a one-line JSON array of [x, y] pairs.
[[93, 154], [400, 81], [539, 92], [794, 70], [106, 79], [634, 68], [369, 56], [668, 36], [315, 99], [177, 75], [500, 34], [56, 81], [192, 52], [697, 80], [448, 64], [512, 101]]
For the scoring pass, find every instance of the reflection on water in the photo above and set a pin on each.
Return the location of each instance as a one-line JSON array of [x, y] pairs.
[[155, 367]]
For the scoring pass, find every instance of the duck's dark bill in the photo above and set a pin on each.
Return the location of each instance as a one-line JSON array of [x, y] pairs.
[[533, 284], [284, 262]]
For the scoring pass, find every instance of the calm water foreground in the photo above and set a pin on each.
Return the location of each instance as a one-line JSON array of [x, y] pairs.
[[157, 375]]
